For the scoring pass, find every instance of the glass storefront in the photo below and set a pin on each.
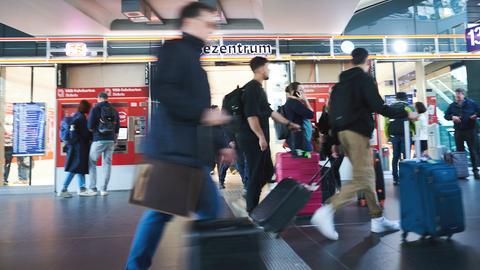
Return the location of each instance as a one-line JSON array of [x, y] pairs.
[[18, 87]]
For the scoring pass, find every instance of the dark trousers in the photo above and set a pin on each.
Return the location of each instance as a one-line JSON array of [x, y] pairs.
[[398, 144], [8, 162], [470, 137], [260, 168]]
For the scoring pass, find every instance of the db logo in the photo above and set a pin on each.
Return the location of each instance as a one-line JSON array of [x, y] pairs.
[[122, 116], [61, 93]]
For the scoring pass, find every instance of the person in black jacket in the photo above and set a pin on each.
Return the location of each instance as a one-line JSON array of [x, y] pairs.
[[77, 151], [297, 110], [354, 136], [254, 135], [464, 113], [104, 122], [181, 96]]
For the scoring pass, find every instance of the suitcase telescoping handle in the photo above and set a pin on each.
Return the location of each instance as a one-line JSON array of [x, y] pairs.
[[317, 183]]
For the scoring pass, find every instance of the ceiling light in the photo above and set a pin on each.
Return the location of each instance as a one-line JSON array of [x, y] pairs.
[[347, 46], [400, 46]]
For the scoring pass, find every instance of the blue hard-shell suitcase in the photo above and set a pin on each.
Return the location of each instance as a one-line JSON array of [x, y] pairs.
[[430, 199]]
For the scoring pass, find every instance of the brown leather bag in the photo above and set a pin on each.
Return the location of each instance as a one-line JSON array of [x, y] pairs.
[[167, 187]]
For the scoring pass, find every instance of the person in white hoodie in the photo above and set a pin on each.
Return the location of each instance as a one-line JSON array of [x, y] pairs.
[[422, 126]]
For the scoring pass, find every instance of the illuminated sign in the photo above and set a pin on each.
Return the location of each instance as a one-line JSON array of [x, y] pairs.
[[238, 49], [76, 49]]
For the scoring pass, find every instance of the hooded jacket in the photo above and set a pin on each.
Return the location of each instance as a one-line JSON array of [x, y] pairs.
[[368, 101]]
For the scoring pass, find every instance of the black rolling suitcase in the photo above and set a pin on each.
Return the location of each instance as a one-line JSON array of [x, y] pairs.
[[233, 244], [280, 207], [379, 182]]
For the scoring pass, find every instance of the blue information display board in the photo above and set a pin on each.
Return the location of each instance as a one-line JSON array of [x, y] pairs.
[[29, 129]]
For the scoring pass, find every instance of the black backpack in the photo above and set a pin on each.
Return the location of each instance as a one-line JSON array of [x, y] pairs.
[[281, 130], [396, 126], [233, 104], [342, 106], [107, 120]]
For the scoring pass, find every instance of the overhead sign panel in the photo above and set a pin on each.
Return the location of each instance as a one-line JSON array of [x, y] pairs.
[[472, 36]]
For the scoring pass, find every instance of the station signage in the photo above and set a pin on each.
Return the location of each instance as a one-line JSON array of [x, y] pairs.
[[76, 49], [472, 36], [29, 121], [238, 49], [116, 92]]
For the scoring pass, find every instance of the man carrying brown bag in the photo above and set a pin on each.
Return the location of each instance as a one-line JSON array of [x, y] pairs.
[[177, 146]]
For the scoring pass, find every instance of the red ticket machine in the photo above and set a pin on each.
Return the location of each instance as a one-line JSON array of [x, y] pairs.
[[132, 106], [318, 95]]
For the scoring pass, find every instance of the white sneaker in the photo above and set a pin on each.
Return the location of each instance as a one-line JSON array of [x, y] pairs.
[[92, 192], [86, 193], [323, 219], [103, 193], [64, 194], [381, 224]]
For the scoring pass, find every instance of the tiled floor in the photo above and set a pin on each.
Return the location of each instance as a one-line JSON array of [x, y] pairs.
[[359, 249], [39, 231]]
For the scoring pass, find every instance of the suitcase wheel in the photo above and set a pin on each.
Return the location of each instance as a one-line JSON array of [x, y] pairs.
[[404, 236]]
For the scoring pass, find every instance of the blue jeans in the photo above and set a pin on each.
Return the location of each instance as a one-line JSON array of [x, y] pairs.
[[240, 165], [152, 224], [69, 178], [398, 144]]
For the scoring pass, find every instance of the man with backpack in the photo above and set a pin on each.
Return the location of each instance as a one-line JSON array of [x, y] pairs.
[[395, 131], [352, 102], [104, 122]]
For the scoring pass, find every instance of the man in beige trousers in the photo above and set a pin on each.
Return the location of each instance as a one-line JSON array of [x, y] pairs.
[[353, 125]]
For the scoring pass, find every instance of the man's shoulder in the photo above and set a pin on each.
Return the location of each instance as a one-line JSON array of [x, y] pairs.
[[252, 86], [172, 46], [471, 101]]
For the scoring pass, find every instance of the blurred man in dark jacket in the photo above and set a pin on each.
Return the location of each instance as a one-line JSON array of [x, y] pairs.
[[464, 113], [181, 96]]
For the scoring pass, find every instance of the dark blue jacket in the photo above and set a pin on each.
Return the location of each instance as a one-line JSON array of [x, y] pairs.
[[77, 151], [94, 120], [296, 112], [180, 94], [467, 109]]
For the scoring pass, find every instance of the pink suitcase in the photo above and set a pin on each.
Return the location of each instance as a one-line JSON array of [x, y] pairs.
[[302, 170]]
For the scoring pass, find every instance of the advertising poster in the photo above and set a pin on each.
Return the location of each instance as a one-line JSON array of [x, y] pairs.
[[29, 121], [432, 109]]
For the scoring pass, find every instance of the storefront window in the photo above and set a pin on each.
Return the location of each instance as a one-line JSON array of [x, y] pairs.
[[23, 170]]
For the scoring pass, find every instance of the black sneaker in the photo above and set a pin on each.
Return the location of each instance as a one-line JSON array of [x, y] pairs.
[[221, 186], [476, 175], [396, 182]]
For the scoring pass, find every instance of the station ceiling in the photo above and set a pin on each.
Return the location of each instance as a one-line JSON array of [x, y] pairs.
[[105, 17]]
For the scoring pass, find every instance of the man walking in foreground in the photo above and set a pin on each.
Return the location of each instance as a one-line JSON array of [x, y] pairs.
[[352, 102], [182, 104]]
